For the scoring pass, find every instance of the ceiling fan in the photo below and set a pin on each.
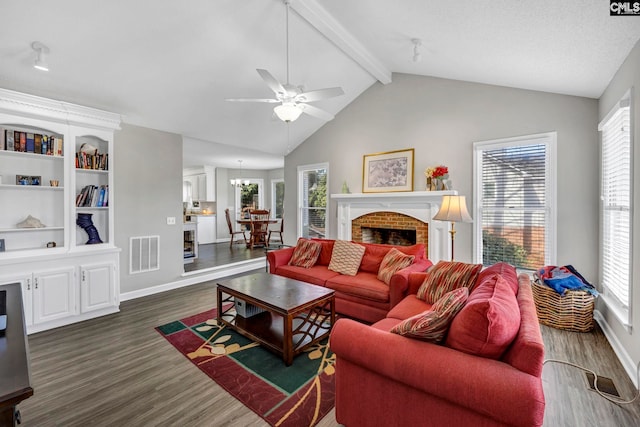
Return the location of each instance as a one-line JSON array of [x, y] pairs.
[[292, 99]]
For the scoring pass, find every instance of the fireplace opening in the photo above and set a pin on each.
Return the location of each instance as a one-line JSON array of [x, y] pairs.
[[389, 236]]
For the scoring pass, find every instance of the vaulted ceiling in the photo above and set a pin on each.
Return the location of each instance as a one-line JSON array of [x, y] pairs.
[[169, 65]]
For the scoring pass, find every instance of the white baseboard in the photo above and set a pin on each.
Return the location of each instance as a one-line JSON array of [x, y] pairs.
[[624, 357], [199, 276]]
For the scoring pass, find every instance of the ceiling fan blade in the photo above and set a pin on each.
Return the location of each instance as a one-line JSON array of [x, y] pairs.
[[270, 101], [315, 112], [317, 95], [271, 81]]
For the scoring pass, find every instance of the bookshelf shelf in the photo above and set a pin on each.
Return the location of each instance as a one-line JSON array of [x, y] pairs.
[[82, 277]]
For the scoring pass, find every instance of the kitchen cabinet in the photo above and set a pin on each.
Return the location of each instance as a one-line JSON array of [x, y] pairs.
[[206, 229]]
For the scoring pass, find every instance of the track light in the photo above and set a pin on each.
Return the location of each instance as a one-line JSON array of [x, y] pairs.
[[417, 56], [40, 62]]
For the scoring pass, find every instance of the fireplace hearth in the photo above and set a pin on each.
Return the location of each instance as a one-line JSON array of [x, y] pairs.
[[388, 236]]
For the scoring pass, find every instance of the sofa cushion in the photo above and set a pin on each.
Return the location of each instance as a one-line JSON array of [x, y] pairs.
[[432, 325], [325, 252], [316, 275], [393, 261], [409, 306], [362, 285], [446, 276], [489, 322], [346, 257], [375, 253], [305, 253], [505, 270]]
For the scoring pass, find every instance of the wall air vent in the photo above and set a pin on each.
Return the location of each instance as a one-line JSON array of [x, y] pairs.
[[144, 254]]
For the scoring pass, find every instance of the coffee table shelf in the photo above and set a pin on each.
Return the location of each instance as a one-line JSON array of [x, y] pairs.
[[297, 314]]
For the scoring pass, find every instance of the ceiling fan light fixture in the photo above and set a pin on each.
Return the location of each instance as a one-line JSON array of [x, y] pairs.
[[288, 112], [40, 62]]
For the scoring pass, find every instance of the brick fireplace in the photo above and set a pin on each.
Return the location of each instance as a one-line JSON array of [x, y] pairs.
[[389, 227], [396, 211]]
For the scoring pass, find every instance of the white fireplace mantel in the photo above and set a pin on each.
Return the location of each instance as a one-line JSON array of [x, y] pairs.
[[422, 205]]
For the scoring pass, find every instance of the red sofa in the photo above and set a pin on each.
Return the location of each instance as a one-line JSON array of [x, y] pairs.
[[385, 379], [362, 296]]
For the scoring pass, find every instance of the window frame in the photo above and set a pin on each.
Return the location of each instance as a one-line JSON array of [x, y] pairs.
[[301, 170], [616, 306], [274, 183], [549, 139]]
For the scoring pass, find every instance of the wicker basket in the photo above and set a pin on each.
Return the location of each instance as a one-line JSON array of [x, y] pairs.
[[572, 311]]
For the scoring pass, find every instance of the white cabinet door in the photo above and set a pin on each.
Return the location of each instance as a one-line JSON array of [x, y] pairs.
[[97, 287], [206, 229], [202, 186], [54, 295]]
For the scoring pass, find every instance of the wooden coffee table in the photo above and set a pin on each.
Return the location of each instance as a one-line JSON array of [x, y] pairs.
[[296, 314]]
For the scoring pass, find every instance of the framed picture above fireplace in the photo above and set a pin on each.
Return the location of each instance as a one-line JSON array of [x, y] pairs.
[[388, 171]]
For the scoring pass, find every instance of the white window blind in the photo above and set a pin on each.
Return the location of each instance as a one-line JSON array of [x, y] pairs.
[[615, 206], [312, 200], [514, 206]]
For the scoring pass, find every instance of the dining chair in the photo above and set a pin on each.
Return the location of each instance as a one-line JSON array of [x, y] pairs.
[[276, 232], [231, 232], [259, 227]]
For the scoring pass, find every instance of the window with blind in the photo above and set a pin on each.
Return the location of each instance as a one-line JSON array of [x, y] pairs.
[[515, 201], [312, 200], [615, 208]]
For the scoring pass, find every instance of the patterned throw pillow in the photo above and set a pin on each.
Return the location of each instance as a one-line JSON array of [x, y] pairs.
[[446, 276], [305, 253], [346, 257], [432, 325], [393, 261]]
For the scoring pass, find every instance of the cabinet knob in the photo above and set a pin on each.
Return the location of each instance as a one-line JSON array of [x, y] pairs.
[[35, 283], [28, 284], [83, 278]]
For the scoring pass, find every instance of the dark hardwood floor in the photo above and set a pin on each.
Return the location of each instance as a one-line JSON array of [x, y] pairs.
[[118, 371], [217, 254]]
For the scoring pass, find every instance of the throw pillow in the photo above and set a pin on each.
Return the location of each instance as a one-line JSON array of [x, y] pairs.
[[346, 257], [393, 261], [305, 253], [489, 322], [432, 325], [446, 276]]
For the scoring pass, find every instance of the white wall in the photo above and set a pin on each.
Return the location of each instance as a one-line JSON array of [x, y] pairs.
[[441, 119], [626, 342], [148, 189]]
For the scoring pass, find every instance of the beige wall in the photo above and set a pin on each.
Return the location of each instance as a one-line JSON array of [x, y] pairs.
[[148, 189], [441, 119], [626, 342]]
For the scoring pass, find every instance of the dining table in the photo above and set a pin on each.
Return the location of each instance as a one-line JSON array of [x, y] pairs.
[[247, 222]]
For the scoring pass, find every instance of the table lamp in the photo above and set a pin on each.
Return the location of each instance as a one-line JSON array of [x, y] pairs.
[[454, 209]]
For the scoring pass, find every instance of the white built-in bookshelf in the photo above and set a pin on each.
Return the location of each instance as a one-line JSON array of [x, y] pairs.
[[44, 176]]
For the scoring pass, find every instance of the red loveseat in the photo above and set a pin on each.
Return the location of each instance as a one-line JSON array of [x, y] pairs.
[[385, 379], [362, 296]]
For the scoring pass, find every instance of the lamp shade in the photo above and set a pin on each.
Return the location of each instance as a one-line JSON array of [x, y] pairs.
[[287, 112], [454, 209]]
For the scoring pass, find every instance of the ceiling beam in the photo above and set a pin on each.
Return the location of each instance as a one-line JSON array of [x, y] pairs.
[[329, 27]]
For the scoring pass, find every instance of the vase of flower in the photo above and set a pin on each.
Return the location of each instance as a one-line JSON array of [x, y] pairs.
[[436, 178]]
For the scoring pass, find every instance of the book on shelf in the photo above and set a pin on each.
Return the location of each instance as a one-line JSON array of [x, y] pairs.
[[9, 140], [88, 161], [30, 143], [3, 145], [93, 196], [37, 143]]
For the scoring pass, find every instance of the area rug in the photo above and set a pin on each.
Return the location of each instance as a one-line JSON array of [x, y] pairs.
[[297, 395]]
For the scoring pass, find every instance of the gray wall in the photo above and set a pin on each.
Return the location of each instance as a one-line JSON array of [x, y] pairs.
[[441, 119], [148, 189], [628, 76]]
